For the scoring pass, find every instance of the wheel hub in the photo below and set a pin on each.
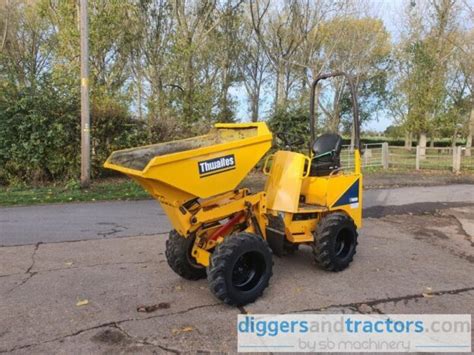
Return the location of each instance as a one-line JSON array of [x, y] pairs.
[[343, 243], [247, 271]]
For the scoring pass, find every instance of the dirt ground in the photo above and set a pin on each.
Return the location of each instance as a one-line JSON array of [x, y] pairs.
[[417, 261]]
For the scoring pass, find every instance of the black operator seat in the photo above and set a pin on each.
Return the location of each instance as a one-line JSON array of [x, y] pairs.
[[326, 149]]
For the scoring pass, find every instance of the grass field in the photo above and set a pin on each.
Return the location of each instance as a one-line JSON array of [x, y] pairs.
[[108, 189]]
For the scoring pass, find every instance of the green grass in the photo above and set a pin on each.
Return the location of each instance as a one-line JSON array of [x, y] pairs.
[[109, 189]]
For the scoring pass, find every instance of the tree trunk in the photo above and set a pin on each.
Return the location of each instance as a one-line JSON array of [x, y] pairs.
[[352, 138], [188, 97], [161, 100], [470, 133], [454, 138], [225, 112], [422, 144], [280, 98], [140, 97], [336, 113], [336, 120], [189, 91], [408, 139], [254, 105], [317, 92]]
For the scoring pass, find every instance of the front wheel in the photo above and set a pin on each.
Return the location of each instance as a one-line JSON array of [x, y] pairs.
[[335, 241], [178, 255], [240, 269]]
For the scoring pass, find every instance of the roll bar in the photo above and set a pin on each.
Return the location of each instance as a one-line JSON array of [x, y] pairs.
[[355, 107]]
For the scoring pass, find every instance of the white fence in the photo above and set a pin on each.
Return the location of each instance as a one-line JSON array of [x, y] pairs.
[[375, 154], [400, 157], [381, 155], [436, 158], [467, 159]]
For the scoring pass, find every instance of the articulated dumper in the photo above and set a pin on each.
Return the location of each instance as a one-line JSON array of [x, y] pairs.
[[229, 234]]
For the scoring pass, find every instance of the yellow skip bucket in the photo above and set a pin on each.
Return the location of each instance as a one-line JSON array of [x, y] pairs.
[[203, 166]]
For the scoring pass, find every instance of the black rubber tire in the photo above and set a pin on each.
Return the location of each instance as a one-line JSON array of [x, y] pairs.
[[178, 255], [240, 269], [335, 242]]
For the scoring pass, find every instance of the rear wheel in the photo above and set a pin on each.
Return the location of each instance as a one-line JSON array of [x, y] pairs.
[[240, 269], [178, 255], [335, 241]]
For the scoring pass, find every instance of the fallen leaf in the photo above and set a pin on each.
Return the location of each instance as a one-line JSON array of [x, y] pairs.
[[428, 292], [182, 330], [68, 263], [82, 303], [153, 307], [178, 288]]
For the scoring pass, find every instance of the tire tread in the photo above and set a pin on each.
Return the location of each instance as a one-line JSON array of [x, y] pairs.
[[220, 260], [322, 240], [177, 248]]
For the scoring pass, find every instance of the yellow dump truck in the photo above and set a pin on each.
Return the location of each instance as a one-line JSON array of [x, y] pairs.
[[228, 234]]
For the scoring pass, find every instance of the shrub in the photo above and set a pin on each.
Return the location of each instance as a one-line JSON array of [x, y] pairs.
[[40, 134]]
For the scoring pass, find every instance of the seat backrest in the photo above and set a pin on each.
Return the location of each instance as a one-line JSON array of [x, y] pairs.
[[327, 143]]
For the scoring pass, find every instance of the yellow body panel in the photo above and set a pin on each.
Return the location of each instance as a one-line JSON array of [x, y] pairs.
[[202, 256], [291, 193], [301, 231], [284, 181], [194, 167], [326, 190]]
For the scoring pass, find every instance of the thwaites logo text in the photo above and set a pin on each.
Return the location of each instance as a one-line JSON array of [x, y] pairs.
[[216, 165]]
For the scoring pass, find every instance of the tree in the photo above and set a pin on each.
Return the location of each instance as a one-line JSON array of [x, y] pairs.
[[26, 45], [111, 38], [230, 46], [253, 67], [465, 82], [428, 49], [155, 84], [195, 54], [281, 32], [362, 49], [39, 88]]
